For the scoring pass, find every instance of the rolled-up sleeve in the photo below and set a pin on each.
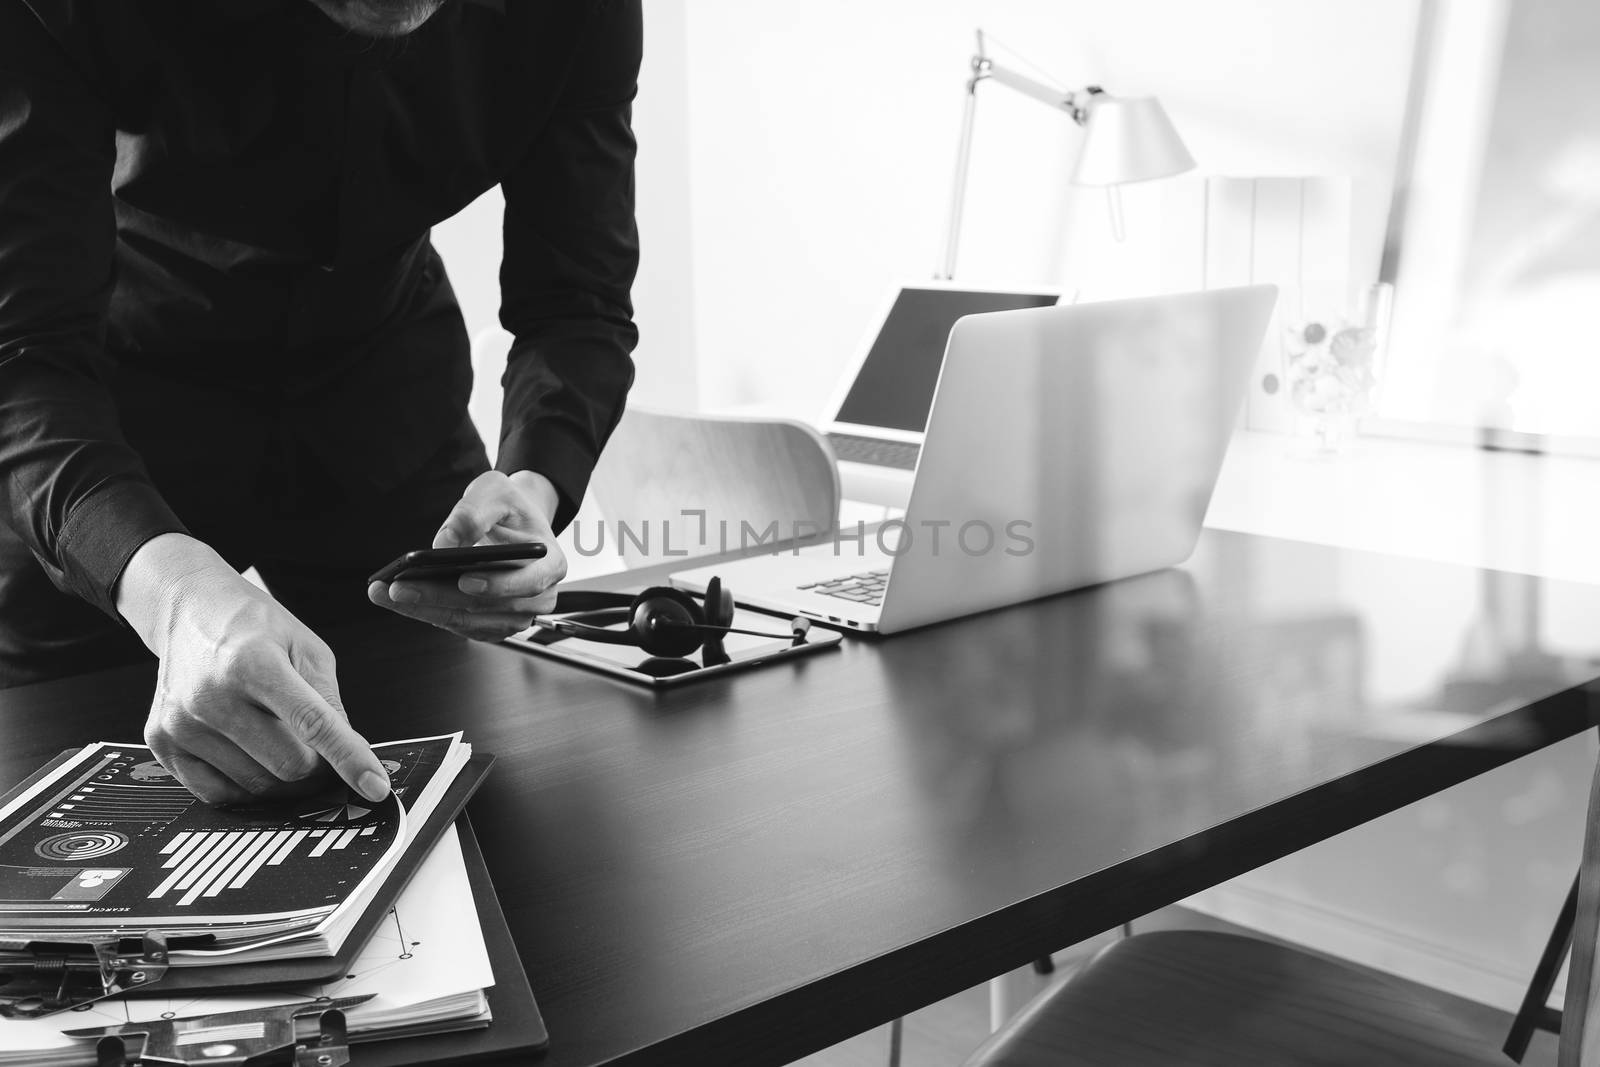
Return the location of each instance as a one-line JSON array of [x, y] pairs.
[[70, 486], [571, 253]]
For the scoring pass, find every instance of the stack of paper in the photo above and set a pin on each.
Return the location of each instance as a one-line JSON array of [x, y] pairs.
[[427, 964], [110, 845]]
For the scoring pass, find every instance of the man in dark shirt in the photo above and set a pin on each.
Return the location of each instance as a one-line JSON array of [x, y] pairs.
[[225, 339]]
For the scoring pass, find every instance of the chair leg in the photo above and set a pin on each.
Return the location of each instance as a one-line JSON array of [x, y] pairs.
[[896, 1033], [999, 1006], [1534, 1013]]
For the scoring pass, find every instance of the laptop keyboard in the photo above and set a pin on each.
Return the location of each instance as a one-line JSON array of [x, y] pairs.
[[864, 588], [880, 453]]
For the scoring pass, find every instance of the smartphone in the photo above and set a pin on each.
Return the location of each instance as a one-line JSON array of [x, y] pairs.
[[450, 562]]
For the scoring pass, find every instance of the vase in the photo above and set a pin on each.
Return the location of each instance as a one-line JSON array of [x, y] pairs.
[[1330, 370]]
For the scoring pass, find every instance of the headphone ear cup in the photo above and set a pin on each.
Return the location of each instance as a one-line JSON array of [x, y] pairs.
[[719, 604], [689, 604], [660, 605]]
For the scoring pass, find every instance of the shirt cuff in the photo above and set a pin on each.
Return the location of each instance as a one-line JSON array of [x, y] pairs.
[[103, 532], [549, 448]]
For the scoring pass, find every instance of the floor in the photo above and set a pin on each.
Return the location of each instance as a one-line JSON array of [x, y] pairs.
[[944, 1034]]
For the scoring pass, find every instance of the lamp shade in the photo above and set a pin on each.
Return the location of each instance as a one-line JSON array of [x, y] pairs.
[[1129, 139]]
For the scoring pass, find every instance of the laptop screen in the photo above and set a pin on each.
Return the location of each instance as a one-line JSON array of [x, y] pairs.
[[894, 387]]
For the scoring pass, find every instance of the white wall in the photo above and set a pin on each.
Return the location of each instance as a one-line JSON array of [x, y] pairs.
[[820, 139], [824, 135], [663, 294]]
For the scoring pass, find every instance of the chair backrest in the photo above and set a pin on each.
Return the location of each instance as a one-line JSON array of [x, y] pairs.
[[1580, 1029], [672, 485]]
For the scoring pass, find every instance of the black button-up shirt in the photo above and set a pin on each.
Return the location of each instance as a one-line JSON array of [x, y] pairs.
[[238, 193]]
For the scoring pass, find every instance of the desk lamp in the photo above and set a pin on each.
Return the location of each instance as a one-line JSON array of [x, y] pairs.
[[1126, 139]]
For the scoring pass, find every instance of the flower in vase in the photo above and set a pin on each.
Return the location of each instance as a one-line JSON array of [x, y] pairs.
[[1329, 366]]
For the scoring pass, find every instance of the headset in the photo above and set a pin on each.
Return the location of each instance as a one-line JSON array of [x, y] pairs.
[[662, 621]]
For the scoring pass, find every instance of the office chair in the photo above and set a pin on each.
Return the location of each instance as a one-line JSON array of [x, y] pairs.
[[1197, 999], [1535, 1012], [671, 486], [657, 466]]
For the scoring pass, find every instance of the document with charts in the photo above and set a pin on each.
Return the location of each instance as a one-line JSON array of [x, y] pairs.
[[111, 843]]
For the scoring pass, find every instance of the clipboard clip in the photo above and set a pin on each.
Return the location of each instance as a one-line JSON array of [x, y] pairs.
[[40, 978], [310, 1034]]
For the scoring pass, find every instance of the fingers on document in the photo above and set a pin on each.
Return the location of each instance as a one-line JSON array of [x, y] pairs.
[[247, 776], [225, 749], [270, 747], [324, 728], [202, 779]]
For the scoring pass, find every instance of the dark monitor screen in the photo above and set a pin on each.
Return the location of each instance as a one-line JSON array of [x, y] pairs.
[[894, 387]]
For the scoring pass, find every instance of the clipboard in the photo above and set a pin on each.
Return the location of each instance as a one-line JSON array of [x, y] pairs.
[[314, 1034], [242, 977], [517, 1027]]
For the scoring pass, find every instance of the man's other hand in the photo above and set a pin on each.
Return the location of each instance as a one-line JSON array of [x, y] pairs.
[[490, 604], [246, 706]]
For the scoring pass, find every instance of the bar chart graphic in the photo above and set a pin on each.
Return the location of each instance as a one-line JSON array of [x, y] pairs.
[[114, 810], [203, 864]]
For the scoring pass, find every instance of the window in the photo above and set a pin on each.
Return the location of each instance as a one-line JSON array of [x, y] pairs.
[[1494, 237]]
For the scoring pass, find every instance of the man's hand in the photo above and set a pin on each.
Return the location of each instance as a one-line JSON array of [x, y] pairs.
[[246, 703], [491, 604]]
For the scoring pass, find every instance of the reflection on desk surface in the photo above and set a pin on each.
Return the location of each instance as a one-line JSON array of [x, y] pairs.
[[1236, 667]]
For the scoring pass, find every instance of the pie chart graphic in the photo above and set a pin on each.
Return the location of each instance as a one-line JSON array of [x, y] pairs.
[[81, 845], [339, 814]]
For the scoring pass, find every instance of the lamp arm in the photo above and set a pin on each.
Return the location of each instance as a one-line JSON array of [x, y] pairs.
[[1072, 103], [986, 69], [958, 193]]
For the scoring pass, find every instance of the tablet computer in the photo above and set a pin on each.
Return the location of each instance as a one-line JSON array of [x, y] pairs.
[[738, 652]]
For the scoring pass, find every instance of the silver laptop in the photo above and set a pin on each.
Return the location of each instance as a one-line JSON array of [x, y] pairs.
[[876, 416], [1067, 446]]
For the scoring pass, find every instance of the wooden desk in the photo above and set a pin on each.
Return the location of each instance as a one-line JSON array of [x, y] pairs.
[[753, 868]]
